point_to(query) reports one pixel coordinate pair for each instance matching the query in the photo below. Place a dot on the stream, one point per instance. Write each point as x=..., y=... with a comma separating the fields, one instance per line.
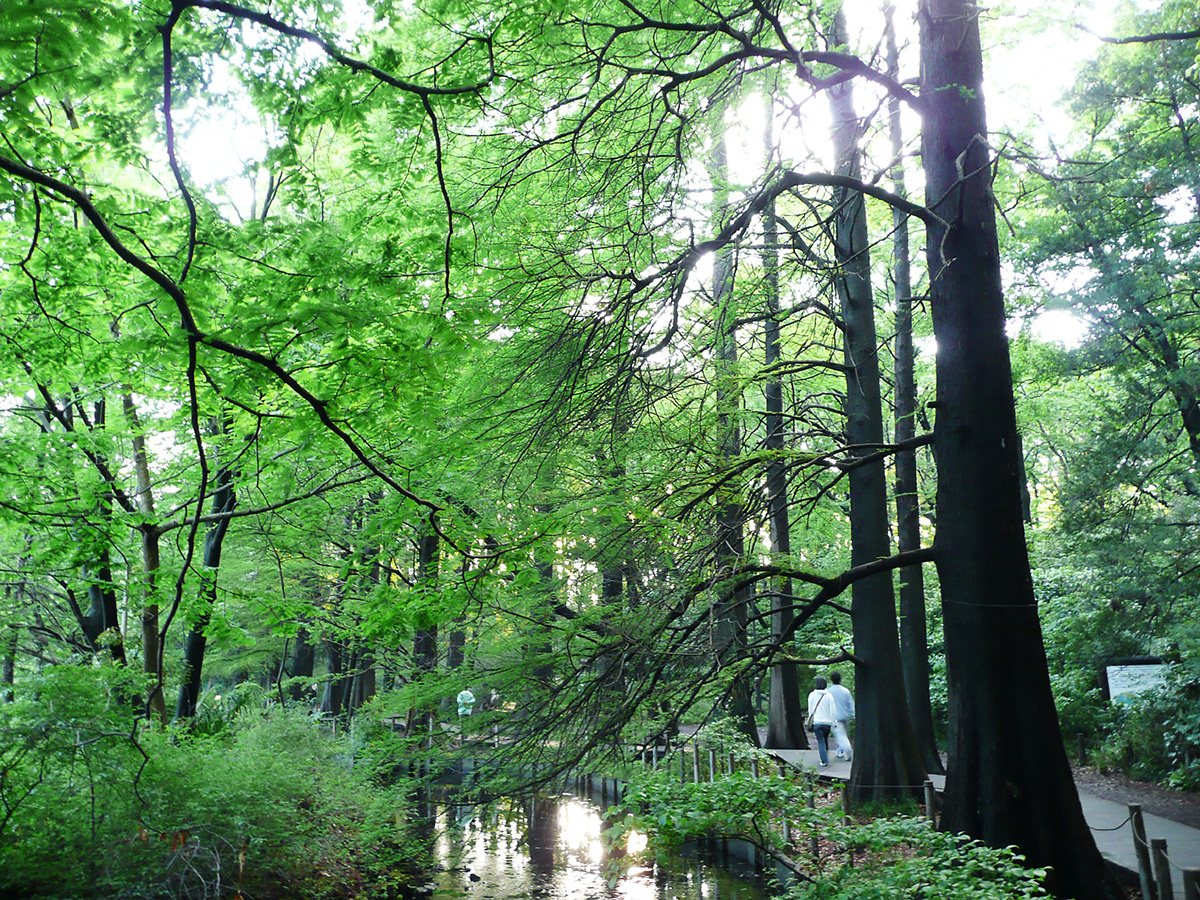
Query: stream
x=491, y=853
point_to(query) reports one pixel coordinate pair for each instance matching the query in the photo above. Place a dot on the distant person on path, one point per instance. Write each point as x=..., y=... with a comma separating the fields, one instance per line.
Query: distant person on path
x=845, y=712
x=466, y=702
x=822, y=713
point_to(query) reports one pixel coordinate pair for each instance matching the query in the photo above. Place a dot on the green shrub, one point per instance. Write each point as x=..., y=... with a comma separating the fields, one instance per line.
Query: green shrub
x=906, y=858
x=267, y=805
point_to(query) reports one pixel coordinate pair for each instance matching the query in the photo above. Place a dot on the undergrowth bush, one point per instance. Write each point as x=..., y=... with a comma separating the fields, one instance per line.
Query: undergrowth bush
x=904, y=857
x=894, y=855
x=92, y=806
x=1156, y=737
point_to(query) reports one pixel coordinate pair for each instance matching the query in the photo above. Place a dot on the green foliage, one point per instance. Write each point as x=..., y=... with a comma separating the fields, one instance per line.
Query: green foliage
x=94, y=808
x=1156, y=737
x=906, y=858
x=895, y=855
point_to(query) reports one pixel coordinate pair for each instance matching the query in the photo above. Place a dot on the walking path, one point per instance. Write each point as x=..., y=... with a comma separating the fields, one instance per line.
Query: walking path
x=1108, y=820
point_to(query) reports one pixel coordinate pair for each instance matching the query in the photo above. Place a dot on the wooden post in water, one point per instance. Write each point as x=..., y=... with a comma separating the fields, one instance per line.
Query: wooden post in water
x=1141, y=849
x=1162, y=869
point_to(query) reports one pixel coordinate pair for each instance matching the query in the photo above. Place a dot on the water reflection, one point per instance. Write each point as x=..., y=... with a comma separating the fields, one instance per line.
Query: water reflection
x=552, y=850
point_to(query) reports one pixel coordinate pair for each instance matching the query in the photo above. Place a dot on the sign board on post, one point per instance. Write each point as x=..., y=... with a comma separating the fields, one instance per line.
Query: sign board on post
x=1124, y=679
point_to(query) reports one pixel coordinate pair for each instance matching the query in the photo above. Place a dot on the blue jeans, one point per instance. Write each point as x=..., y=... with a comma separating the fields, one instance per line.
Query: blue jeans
x=821, y=732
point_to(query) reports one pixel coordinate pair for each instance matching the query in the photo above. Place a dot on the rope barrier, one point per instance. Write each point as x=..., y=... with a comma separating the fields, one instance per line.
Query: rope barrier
x=1115, y=827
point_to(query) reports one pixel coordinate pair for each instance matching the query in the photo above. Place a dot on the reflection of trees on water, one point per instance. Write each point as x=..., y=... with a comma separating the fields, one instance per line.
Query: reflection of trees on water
x=542, y=830
x=543, y=847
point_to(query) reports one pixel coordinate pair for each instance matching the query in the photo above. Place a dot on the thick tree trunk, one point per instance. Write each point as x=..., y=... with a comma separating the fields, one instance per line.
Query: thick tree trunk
x=223, y=501
x=1009, y=782
x=886, y=761
x=914, y=639
x=334, y=696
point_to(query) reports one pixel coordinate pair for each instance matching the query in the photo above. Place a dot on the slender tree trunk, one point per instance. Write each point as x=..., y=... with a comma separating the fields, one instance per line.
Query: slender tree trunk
x=1009, y=781
x=103, y=616
x=886, y=761
x=425, y=641
x=785, y=714
x=733, y=605
x=8, y=666
x=914, y=640
x=223, y=501
x=151, y=562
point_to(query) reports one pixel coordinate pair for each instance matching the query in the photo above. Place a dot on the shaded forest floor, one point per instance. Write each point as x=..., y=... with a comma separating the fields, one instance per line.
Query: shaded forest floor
x=1155, y=799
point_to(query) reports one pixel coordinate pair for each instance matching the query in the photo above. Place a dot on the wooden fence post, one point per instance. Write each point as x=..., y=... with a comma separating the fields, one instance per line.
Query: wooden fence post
x=1141, y=849
x=682, y=766
x=1191, y=884
x=930, y=803
x=695, y=762
x=1162, y=868
x=811, y=803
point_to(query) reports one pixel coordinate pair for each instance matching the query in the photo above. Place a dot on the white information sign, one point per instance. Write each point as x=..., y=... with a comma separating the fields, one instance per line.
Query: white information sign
x=1124, y=682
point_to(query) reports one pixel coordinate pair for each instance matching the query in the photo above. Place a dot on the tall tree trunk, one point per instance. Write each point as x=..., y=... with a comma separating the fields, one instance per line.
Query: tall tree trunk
x=1009, y=781
x=914, y=639
x=151, y=560
x=886, y=761
x=333, y=699
x=8, y=666
x=425, y=649
x=785, y=714
x=733, y=604
x=304, y=657
x=103, y=618
x=223, y=501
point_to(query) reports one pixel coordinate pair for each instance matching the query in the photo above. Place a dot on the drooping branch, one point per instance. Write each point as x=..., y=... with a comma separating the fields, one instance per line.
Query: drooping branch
x=188, y=321
x=1151, y=38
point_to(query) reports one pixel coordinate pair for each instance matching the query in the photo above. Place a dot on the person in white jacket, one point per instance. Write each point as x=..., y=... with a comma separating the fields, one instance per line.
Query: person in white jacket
x=822, y=712
x=844, y=702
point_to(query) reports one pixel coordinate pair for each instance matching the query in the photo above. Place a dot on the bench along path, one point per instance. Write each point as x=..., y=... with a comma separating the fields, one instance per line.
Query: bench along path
x=1111, y=823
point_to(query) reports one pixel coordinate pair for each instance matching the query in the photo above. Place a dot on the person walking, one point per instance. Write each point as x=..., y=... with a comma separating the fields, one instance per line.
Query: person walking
x=822, y=713
x=844, y=701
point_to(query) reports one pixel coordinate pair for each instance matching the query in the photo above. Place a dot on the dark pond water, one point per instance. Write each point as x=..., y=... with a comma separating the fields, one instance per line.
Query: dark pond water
x=492, y=853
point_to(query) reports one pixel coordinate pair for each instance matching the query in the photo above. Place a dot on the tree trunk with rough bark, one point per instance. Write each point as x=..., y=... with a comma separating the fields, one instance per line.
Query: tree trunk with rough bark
x=914, y=639
x=223, y=501
x=1009, y=781
x=886, y=761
